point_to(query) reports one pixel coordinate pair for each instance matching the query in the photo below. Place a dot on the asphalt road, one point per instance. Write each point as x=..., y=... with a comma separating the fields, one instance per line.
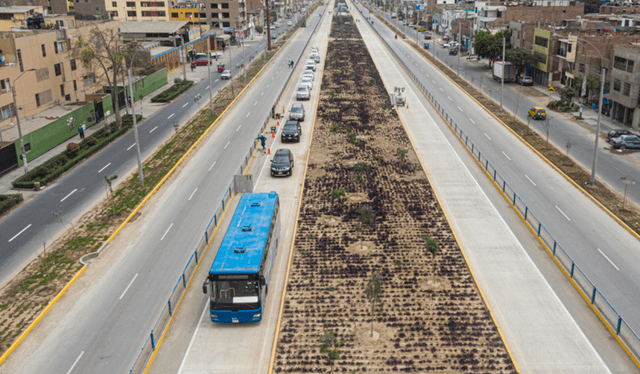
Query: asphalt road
x=606, y=252
x=103, y=321
x=611, y=165
x=25, y=229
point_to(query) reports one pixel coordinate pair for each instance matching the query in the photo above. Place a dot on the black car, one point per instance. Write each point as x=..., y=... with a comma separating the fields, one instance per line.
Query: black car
x=291, y=131
x=282, y=163
x=615, y=133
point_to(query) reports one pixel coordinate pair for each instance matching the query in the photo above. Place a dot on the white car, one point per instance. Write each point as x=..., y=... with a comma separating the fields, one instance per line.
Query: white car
x=303, y=93
x=308, y=74
x=289, y=23
x=307, y=82
x=315, y=57
x=272, y=27
x=310, y=65
x=315, y=50
x=226, y=74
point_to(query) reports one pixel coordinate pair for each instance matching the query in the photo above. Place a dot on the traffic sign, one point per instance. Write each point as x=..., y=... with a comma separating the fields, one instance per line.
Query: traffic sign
x=551, y=89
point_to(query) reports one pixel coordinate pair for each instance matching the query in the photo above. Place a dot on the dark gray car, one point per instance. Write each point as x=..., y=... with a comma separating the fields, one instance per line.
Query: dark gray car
x=282, y=163
x=624, y=142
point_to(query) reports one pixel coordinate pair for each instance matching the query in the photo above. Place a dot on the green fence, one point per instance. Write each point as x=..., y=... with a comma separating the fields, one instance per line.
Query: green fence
x=148, y=84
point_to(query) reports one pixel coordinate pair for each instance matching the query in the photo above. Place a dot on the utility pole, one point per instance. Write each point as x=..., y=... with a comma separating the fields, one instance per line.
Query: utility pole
x=231, y=72
x=595, y=151
x=135, y=129
x=184, y=61
x=210, y=88
x=503, y=69
x=266, y=2
x=459, y=45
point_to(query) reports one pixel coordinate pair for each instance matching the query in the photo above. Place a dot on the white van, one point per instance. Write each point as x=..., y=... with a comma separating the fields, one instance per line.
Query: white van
x=310, y=65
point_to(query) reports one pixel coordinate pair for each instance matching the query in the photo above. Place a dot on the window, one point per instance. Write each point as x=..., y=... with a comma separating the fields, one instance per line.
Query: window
x=58, y=69
x=568, y=48
x=203, y=15
x=131, y=13
x=630, y=66
x=19, y=53
x=214, y=6
x=73, y=65
x=89, y=80
x=5, y=84
x=159, y=13
x=627, y=89
x=616, y=85
x=214, y=15
x=113, y=13
x=226, y=24
x=38, y=100
x=44, y=51
x=114, y=4
x=62, y=90
x=174, y=15
x=540, y=57
x=131, y=4
x=6, y=112
x=75, y=86
x=225, y=5
x=225, y=15
x=620, y=63
x=581, y=68
x=542, y=42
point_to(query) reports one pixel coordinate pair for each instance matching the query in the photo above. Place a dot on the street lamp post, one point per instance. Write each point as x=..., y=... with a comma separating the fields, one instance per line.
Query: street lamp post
x=135, y=123
x=23, y=156
x=210, y=88
x=231, y=72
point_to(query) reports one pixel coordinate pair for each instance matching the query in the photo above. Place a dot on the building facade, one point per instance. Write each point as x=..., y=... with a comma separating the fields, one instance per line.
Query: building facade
x=138, y=10
x=625, y=86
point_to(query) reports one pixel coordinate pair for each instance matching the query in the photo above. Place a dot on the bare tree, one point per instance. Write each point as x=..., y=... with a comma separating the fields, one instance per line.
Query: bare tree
x=105, y=51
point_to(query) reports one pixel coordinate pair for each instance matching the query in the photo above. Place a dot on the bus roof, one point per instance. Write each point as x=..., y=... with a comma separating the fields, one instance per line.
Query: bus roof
x=243, y=245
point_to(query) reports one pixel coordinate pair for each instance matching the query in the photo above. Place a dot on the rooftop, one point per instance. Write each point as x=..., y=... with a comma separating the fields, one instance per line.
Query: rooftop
x=18, y=9
x=151, y=27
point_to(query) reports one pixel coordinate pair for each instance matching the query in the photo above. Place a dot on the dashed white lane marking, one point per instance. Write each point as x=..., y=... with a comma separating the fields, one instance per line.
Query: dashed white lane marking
x=565, y=216
x=70, y=193
x=247, y=116
x=238, y=129
x=256, y=103
x=75, y=363
x=440, y=88
x=461, y=109
x=171, y=116
x=262, y=93
x=216, y=81
x=505, y=155
x=166, y=232
x=472, y=121
x=485, y=134
x=214, y=164
x=153, y=129
x=193, y=193
x=449, y=97
x=127, y=289
x=611, y=262
x=131, y=146
x=107, y=165
x=526, y=176
x=225, y=147
x=16, y=235
x=207, y=88
x=185, y=104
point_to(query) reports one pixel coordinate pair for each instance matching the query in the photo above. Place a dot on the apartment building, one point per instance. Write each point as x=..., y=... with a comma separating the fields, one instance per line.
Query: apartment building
x=625, y=86
x=39, y=68
x=138, y=10
x=91, y=9
x=51, y=6
x=221, y=14
x=498, y=15
x=12, y=16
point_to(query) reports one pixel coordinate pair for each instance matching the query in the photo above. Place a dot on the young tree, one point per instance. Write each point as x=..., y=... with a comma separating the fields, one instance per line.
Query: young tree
x=520, y=59
x=329, y=345
x=567, y=94
x=373, y=291
x=366, y=216
x=432, y=247
x=103, y=51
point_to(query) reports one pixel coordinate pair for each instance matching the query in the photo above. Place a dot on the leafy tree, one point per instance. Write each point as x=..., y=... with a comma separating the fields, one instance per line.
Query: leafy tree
x=567, y=94
x=103, y=51
x=520, y=59
x=432, y=247
x=488, y=45
x=366, y=216
x=329, y=344
x=373, y=291
x=593, y=87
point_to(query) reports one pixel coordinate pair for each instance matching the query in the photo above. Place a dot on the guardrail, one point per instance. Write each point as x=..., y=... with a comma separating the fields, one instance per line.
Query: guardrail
x=586, y=287
x=161, y=323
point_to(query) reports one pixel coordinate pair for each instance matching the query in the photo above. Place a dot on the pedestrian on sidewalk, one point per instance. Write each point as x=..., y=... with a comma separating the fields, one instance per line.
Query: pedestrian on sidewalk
x=81, y=131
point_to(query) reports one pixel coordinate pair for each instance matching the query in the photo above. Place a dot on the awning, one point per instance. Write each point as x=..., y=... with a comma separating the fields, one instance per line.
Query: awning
x=223, y=38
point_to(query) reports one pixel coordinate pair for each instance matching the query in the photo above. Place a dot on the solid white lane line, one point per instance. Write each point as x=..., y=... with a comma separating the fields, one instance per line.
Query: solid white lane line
x=99, y=171
x=70, y=193
x=193, y=193
x=127, y=289
x=485, y=134
x=173, y=114
x=214, y=164
x=16, y=235
x=153, y=129
x=225, y=147
x=254, y=104
x=440, y=88
x=75, y=363
x=247, y=116
x=461, y=109
x=565, y=216
x=450, y=99
x=207, y=88
x=611, y=262
x=526, y=176
x=131, y=146
x=472, y=121
x=185, y=104
x=505, y=155
x=238, y=128
x=166, y=232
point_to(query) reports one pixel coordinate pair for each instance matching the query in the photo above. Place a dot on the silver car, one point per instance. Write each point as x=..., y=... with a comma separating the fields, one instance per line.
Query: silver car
x=315, y=58
x=303, y=93
x=297, y=112
x=307, y=82
x=308, y=74
x=310, y=65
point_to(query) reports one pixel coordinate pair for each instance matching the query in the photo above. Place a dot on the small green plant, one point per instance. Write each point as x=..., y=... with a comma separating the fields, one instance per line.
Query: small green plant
x=397, y=262
x=432, y=247
x=334, y=128
x=330, y=289
x=329, y=344
x=72, y=150
x=373, y=291
x=337, y=193
x=361, y=169
x=372, y=82
x=384, y=106
x=402, y=153
x=310, y=236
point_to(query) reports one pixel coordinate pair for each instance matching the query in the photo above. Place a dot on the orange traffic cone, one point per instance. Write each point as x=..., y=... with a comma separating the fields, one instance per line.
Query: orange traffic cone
x=407, y=106
x=277, y=123
x=273, y=134
x=283, y=110
x=268, y=151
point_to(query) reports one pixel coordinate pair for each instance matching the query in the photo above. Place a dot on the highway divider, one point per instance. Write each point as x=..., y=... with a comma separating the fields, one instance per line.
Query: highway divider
x=623, y=333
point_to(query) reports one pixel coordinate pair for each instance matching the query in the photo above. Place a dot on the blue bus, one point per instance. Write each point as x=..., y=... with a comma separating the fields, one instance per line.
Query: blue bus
x=238, y=281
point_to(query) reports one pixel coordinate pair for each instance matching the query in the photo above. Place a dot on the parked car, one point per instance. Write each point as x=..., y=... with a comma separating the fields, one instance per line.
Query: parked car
x=296, y=112
x=426, y=45
x=537, y=112
x=289, y=23
x=310, y=65
x=307, y=82
x=618, y=132
x=282, y=163
x=225, y=75
x=220, y=68
x=315, y=57
x=272, y=27
x=308, y=74
x=202, y=62
x=525, y=80
x=291, y=131
x=315, y=50
x=453, y=51
x=625, y=142
x=303, y=93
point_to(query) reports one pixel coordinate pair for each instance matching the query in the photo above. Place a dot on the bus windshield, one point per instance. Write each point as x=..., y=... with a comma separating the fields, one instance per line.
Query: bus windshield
x=237, y=293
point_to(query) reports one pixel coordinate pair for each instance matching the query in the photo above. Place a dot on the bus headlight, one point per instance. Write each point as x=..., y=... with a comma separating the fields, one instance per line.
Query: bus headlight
x=257, y=315
x=214, y=316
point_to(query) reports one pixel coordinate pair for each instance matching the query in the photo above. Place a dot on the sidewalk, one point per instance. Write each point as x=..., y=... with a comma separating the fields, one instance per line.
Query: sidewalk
x=146, y=107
